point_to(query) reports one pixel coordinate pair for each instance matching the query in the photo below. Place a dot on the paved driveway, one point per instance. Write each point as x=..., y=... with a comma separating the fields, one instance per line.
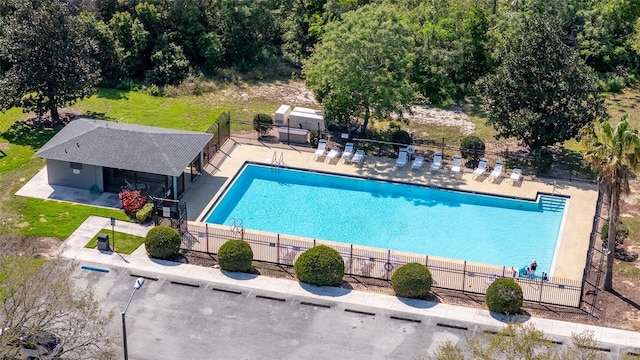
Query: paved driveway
x=179, y=318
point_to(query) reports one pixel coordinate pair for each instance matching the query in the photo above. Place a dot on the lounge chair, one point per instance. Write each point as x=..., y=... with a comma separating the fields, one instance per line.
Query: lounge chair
x=358, y=157
x=456, y=168
x=516, y=176
x=403, y=158
x=481, y=169
x=347, y=154
x=436, y=165
x=322, y=149
x=333, y=154
x=497, y=172
x=418, y=162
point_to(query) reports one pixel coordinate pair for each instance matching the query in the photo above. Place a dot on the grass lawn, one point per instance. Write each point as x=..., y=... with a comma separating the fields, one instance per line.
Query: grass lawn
x=59, y=219
x=634, y=227
x=124, y=243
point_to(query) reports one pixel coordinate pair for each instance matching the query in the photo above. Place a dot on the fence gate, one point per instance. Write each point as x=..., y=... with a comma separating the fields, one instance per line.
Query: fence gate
x=170, y=212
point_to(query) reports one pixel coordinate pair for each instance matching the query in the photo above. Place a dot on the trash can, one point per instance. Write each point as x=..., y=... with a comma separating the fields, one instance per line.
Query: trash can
x=103, y=242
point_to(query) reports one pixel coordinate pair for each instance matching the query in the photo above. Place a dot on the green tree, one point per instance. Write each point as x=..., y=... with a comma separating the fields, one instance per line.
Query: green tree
x=636, y=38
x=41, y=295
x=47, y=63
x=362, y=64
x=131, y=41
x=541, y=93
x=607, y=35
x=614, y=153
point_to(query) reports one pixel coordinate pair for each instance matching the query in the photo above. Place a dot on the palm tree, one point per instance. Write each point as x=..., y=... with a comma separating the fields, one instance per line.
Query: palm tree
x=614, y=153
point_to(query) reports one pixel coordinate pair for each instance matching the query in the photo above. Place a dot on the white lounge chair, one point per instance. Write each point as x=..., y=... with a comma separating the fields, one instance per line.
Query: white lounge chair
x=322, y=149
x=436, y=165
x=516, y=176
x=333, y=154
x=456, y=168
x=481, y=169
x=418, y=162
x=347, y=154
x=403, y=158
x=358, y=157
x=497, y=172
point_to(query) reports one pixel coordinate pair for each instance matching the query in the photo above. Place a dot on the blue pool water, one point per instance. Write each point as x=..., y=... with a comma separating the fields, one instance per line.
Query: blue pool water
x=416, y=219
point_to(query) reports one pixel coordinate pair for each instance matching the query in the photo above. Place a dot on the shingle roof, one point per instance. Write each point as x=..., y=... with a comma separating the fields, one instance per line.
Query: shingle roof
x=125, y=146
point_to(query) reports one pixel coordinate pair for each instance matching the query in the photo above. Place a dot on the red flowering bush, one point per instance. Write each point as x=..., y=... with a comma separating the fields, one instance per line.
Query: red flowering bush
x=132, y=200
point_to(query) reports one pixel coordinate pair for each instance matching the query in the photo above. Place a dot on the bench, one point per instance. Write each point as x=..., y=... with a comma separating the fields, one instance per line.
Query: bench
x=3, y=147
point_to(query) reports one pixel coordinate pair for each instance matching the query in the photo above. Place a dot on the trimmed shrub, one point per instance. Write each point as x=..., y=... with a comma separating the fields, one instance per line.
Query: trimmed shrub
x=320, y=265
x=132, y=200
x=504, y=296
x=412, y=281
x=472, y=148
x=401, y=136
x=145, y=212
x=162, y=242
x=262, y=123
x=236, y=256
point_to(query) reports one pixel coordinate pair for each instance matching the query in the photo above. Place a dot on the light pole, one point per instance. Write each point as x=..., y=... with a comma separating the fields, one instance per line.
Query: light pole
x=136, y=286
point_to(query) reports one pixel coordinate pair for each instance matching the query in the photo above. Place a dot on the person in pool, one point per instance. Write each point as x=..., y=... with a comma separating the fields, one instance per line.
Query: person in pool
x=533, y=266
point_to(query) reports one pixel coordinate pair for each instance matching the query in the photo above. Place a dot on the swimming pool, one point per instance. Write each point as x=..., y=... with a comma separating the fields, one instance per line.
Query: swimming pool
x=437, y=222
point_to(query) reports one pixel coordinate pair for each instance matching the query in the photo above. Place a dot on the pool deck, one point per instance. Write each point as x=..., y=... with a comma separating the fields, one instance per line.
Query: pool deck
x=572, y=248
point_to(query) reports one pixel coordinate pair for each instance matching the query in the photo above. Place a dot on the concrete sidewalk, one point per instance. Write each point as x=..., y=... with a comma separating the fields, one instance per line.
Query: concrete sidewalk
x=138, y=261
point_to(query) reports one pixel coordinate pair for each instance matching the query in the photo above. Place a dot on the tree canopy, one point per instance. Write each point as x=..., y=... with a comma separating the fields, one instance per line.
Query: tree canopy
x=362, y=65
x=47, y=64
x=542, y=93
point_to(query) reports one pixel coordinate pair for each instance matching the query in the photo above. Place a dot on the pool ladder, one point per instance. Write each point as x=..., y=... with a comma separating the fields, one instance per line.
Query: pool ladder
x=277, y=162
x=237, y=228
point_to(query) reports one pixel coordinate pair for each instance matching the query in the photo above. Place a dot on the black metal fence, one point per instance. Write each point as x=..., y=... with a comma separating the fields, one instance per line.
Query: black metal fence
x=380, y=264
x=221, y=130
x=555, y=165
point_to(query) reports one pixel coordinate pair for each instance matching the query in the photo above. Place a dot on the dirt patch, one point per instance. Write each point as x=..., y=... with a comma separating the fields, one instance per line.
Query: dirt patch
x=424, y=114
x=292, y=93
x=295, y=93
x=39, y=247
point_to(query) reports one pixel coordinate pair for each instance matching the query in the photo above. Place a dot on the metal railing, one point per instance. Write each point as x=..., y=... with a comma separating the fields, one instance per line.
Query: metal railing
x=380, y=264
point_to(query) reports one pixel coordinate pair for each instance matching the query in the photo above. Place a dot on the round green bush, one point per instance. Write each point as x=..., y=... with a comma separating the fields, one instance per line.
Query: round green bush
x=504, y=296
x=162, y=242
x=320, y=265
x=472, y=148
x=401, y=136
x=236, y=256
x=262, y=123
x=412, y=281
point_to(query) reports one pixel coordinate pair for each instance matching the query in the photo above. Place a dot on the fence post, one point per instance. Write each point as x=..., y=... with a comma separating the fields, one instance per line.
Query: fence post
x=503, y=267
x=540, y=295
x=388, y=262
x=442, y=148
x=278, y=249
x=206, y=233
x=464, y=277
x=351, y=260
x=218, y=137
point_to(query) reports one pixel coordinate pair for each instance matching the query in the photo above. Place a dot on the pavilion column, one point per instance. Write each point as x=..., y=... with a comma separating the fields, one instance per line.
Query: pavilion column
x=201, y=164
x=175, y=187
